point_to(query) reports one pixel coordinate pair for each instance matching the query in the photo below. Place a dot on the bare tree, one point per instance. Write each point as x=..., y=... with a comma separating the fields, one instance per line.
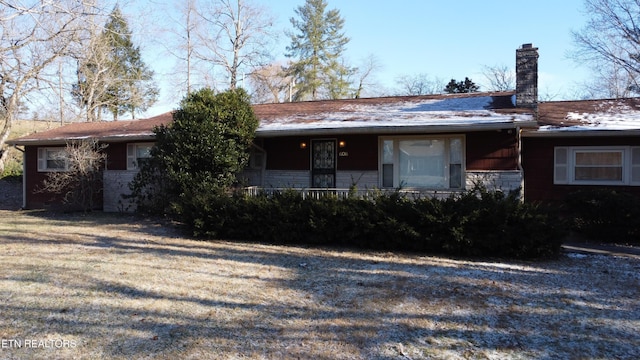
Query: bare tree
x=364, y=74
x=270, y=84
x=419, y=84
x=611, y=39
x=499, y=78
x=79, y=183
x=237, y=38
x=95, y=73
x=34, y=34
x=607, y=81
x=181, y=42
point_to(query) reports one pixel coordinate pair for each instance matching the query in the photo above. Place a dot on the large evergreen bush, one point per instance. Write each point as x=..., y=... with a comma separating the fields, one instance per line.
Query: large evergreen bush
x=196, y=157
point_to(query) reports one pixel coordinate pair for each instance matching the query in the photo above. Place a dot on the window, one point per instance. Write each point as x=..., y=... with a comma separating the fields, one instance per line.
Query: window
x=137, y=154
x=52, y=159
x=422, y=162
x=256, y=160
x=582, y=165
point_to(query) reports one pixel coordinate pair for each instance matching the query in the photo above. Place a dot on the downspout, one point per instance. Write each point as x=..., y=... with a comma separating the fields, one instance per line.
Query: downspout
x=24, y=176
x=519, y=161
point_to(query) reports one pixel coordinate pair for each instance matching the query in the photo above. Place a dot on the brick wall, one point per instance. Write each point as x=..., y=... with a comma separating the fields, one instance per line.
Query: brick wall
x=495, y=180
x=527, y=76
x=116, y=183
x=362, y=179
x=287, y=179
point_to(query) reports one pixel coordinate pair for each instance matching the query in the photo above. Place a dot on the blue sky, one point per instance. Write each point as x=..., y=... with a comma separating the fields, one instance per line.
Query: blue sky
x=455, y=39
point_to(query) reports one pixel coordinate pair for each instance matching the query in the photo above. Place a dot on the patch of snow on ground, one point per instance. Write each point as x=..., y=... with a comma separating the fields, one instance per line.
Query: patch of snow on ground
x=527, y=310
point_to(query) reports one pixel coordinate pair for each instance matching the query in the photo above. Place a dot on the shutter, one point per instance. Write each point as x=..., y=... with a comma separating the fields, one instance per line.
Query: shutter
x=131, y=156
x=561, y=165
x=42, y=159
x=635, y=165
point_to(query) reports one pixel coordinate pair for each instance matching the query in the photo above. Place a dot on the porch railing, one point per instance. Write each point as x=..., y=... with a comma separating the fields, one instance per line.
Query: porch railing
x=342, y=193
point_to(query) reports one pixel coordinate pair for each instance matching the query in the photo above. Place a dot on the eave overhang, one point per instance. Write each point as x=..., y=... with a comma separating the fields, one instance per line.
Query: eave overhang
x=560, y=133
x=63, y=141
x=393, y=130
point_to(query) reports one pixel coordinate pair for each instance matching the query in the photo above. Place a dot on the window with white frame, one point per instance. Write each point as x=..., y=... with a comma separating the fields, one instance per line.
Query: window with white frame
x=422, y=162
x=137, y=154
x=52, y=159
x=594, y=165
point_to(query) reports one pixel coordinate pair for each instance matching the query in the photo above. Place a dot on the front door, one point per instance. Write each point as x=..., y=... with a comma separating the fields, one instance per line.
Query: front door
x=323, y=164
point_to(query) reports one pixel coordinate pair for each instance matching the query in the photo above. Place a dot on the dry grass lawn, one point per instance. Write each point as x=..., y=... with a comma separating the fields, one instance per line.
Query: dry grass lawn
x=118, y=287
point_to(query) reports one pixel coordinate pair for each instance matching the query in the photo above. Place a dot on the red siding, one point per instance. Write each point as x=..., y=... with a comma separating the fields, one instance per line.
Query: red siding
x=284, y=153
x=492, y=150
x=361, y=151
x=117, y=156
x=116, y=160
x=489, y=150
x=537, y=161
x=34, y=179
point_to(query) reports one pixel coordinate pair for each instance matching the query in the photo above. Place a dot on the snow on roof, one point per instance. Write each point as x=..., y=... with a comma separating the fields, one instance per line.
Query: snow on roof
x=427, y=113
x=405, y=112
x=593, y=115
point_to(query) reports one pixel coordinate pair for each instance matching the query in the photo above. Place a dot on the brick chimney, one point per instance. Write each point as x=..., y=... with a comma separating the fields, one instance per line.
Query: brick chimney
x=527, y=76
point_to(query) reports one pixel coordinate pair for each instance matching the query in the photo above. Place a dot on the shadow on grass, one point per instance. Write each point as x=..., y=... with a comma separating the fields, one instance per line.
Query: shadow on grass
x=334, y=304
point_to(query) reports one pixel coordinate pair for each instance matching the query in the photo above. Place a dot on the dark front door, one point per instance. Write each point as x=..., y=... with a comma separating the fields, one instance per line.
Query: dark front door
x=323, y=164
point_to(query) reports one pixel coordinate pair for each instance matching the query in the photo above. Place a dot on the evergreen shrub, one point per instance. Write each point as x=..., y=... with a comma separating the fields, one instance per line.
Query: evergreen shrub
x=605, y=215
x=478, y=223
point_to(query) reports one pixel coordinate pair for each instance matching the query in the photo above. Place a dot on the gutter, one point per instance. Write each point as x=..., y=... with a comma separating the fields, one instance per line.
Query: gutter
x=391, y=130
x=64, y=141
x=579, y=133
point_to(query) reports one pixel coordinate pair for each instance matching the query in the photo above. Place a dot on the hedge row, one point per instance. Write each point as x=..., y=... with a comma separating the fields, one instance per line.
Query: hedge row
x=478, y=223
x=605, y=215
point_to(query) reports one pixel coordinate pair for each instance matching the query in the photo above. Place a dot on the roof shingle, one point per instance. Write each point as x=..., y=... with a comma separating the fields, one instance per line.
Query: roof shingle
x=451, y=112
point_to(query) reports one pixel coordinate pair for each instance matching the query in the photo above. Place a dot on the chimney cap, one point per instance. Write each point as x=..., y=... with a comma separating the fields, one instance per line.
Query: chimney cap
x=527, y=46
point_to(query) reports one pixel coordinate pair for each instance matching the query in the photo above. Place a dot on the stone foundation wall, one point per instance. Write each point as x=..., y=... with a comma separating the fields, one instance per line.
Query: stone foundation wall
x=116, y=184
x=496, y=180
x=10, y=194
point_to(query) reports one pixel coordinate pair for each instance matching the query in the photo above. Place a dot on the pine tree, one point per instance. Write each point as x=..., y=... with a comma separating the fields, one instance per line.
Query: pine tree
x=112, y=76
x=135, y=89
x=318, y=46
x=457, y=87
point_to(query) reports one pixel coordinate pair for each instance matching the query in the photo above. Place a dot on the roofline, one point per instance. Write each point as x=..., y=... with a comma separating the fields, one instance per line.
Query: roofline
x=64, y=141
x=382, y=130
x=579, y=133
x=391, y=130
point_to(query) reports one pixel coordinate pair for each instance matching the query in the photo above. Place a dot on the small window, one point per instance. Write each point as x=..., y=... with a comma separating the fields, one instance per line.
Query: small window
x=583, y=165
x=52, y=159
x=137, y=154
